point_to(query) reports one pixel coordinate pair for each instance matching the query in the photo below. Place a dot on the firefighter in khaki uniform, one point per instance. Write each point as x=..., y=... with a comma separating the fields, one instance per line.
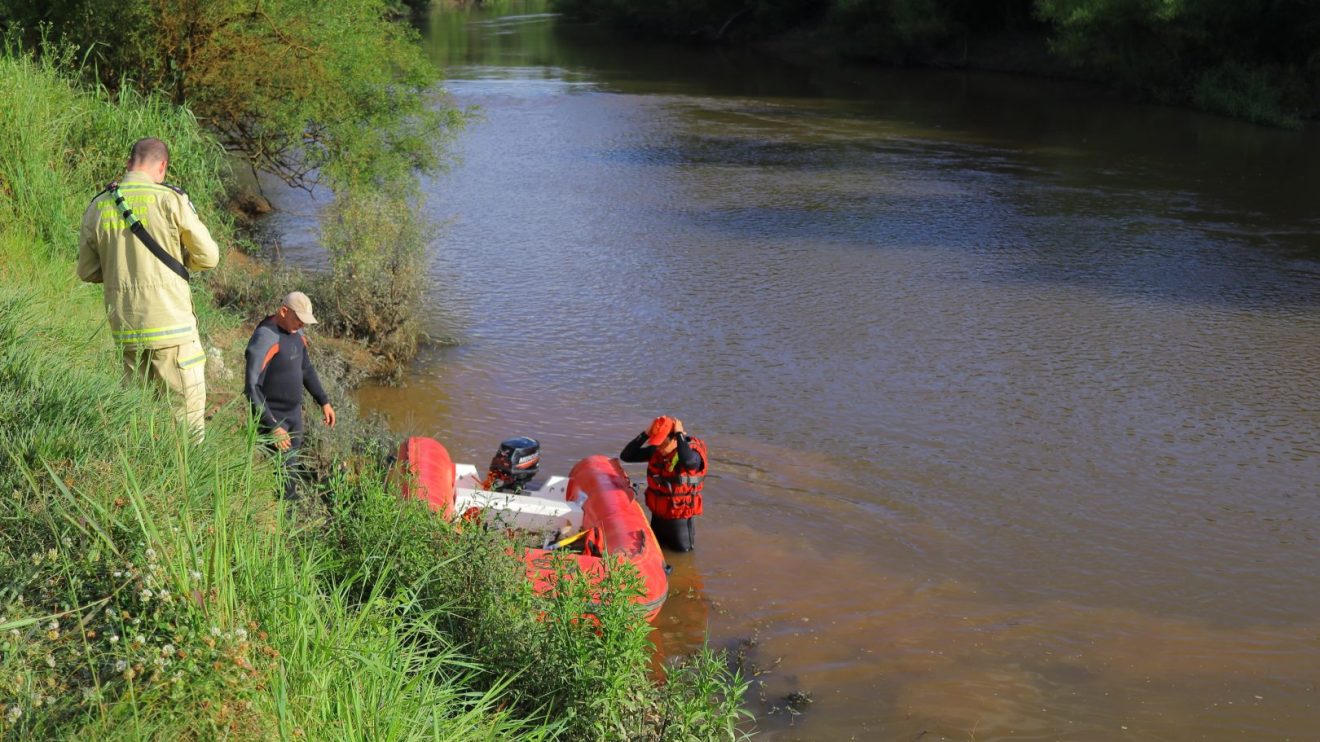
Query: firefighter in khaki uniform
x=147, y=298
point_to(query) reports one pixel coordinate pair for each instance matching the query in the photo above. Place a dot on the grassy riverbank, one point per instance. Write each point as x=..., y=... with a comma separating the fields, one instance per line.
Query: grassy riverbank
x=152, y=588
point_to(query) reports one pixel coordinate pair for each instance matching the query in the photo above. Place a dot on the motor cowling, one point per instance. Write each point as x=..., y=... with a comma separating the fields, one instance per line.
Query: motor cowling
x=514, y=464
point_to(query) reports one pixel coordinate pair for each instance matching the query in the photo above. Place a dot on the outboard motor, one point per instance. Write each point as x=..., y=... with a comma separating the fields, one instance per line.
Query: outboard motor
x=514, y=465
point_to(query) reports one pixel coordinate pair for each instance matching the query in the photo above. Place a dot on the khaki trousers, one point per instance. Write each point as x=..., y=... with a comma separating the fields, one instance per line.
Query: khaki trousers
x=179, y=371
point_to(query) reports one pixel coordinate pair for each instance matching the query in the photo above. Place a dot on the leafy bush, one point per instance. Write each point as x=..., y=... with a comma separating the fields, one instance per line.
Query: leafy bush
x=377, y=245
x=64, y=146
x=1229, y=56
x=303, y=88
x=1245, y=93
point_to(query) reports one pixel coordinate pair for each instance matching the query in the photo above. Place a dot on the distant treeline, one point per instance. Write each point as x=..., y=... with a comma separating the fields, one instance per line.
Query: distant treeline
x=1254, y=59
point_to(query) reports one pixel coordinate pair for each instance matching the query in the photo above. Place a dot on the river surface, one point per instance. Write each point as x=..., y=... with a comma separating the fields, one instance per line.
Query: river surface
x=1010, y=388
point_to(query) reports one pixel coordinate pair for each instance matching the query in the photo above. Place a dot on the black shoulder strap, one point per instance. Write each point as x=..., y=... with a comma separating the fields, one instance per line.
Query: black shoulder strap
x=145, y=237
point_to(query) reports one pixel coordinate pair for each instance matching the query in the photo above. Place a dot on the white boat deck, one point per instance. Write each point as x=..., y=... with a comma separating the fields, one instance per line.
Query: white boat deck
x=541, y=507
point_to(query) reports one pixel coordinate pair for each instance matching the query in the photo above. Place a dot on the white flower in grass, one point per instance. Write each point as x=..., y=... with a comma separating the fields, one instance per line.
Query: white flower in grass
x=13, y=713
x=215, y=630
x=114, y=638
x=167, y=650
x=52, y=555
x=121, y=665
x=14, y=634
x=240, y=632
x=195, y=575
x=50, y=660
x=139, y=639
x=151, y=555
x=53, y=625
x=146, y=595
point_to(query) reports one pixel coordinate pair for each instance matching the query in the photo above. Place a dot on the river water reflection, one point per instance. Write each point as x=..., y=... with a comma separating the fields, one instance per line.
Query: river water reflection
x=1010, y=390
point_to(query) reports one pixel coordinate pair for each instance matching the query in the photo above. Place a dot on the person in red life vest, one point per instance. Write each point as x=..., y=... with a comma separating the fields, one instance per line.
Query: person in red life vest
x=675, y=471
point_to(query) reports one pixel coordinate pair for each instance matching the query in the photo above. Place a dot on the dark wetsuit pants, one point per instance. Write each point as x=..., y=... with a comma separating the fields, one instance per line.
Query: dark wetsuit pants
x=675, y=534
x=289, y=458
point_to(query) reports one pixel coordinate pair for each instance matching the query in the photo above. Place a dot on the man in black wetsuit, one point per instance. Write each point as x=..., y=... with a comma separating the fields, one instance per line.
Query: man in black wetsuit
x=279, y=367
x=675, y=473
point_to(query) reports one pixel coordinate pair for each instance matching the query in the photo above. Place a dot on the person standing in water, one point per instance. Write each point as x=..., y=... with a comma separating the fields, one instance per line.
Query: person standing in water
x=675, y=473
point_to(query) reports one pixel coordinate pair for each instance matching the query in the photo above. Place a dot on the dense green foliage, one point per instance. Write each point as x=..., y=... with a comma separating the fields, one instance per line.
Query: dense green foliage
x=593, y=671
x=698, y=19
x=153, y=588
x=377, y=245
x=1256, y=59
x=302, y=88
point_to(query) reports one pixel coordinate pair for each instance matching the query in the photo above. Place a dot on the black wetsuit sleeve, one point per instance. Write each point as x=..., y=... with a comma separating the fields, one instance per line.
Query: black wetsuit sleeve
x=257, y=357
x=637, y=451
x=688, y=457
x=312, y=382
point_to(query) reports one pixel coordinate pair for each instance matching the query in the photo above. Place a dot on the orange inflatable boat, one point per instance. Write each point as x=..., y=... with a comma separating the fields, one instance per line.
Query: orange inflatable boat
x=594, y=508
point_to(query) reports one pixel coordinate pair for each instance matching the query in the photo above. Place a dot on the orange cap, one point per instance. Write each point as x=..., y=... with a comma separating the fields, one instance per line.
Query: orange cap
x=659, y=431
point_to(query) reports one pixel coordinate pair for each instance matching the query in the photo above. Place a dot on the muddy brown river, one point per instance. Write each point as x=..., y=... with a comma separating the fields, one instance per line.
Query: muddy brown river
x=1010, y=388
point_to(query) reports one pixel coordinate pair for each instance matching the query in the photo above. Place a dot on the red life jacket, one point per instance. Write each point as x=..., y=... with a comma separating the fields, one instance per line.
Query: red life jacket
x=671, y=491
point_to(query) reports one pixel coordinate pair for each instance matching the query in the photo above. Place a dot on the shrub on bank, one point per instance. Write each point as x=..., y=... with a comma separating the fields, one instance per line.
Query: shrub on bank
x=373, y=293
x=1246, y=93
x=306, y=90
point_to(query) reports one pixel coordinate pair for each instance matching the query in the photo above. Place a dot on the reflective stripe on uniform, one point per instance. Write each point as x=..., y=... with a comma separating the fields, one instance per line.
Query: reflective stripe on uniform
x=145, y=187
x=191, y=361
x=154, y=333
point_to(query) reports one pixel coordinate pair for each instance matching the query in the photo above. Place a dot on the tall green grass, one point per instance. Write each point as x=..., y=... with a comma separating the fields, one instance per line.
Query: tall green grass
x=150, y=588
x=153, y=588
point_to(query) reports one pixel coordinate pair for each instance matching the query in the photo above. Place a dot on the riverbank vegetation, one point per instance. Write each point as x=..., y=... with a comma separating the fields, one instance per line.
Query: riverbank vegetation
x=1253, y=59
x=153, y=588
x=327, y=93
